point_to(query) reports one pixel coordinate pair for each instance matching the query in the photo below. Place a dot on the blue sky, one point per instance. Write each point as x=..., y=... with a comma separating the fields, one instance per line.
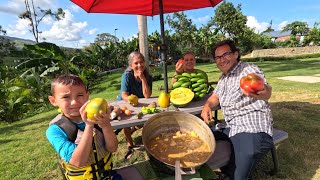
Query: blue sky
x=79, y=28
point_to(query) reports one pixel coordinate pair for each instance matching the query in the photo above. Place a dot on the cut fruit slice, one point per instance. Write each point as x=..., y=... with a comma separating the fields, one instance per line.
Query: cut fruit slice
x=181, y=96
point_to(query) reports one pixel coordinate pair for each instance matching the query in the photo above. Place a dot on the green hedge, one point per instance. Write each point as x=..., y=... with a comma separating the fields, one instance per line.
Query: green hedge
x=279, y=58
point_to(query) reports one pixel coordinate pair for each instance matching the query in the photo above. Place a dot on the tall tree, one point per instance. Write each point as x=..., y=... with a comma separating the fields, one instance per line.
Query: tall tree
x=184, y=29
x=229, y=20
x=297, y=28
x=105, y=39
x=36, y=17
x=314, y=35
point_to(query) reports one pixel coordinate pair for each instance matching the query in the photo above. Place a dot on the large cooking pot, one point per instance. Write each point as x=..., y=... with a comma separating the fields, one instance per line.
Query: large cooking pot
x=173, y=121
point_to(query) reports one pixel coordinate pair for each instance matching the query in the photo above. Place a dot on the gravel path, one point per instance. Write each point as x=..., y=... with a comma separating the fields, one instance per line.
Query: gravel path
x=305, y=79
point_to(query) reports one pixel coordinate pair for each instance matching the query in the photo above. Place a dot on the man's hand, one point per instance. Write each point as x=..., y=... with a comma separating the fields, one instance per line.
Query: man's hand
x=206, y=114
x=264, y=94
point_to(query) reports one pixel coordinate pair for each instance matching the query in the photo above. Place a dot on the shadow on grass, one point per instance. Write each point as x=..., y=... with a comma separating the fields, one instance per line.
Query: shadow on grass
x=19, y=126
x=301, y=121
x=287, y=65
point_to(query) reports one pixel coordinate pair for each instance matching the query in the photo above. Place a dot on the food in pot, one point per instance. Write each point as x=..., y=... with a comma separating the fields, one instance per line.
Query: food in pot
x=184, y=146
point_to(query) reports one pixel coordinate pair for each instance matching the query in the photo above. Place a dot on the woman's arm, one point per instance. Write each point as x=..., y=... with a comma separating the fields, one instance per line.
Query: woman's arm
x=146, y=90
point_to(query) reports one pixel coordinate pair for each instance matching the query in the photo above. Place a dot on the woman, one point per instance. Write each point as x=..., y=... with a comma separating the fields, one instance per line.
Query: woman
x=185, y=64
x=135, y=80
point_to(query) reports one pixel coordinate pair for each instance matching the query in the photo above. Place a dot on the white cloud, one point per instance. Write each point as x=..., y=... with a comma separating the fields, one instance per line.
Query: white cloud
x=83, y=42
x=21, y=28
x=17, y=6
x=282, y=25
x=93, y=31
x=74, y=8
x=258, y=27
x=65, y=29
x=203, y=19
x=47, y=20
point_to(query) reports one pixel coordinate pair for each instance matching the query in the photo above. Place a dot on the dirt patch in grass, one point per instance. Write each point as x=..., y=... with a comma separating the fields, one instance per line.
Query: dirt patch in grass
x=305, y=79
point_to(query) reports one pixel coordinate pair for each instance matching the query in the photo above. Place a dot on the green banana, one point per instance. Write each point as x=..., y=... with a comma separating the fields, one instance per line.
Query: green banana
x=186, y=84
x=177, y=84
x=203, y=91
x=195, y=85
x=197, y=89
x=178, y=76
x=194, y=79
x=186, y=75
x=203, y=85
x=201, y=75
x=201, y=81
x=183, y=79
x=193, y=74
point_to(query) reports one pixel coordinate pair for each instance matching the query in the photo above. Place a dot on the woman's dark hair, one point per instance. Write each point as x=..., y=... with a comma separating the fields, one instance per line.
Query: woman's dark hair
x=130, y=60
x=228, y=42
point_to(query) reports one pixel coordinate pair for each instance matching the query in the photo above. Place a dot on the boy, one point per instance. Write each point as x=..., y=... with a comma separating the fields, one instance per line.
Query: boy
x=84, y=146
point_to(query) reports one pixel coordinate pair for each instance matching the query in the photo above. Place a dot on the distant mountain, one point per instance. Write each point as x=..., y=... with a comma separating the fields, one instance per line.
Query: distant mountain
x=19, y=42
x=25, y=41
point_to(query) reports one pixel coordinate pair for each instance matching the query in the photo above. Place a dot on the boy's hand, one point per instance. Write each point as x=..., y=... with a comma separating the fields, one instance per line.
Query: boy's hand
x=103, y=119
x=89, y=122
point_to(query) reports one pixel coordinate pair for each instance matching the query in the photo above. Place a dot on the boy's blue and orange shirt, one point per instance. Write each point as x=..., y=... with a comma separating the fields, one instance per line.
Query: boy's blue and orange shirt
x=60, y=142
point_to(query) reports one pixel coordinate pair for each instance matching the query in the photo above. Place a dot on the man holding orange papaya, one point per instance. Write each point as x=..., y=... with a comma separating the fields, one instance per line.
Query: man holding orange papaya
x=245, y=107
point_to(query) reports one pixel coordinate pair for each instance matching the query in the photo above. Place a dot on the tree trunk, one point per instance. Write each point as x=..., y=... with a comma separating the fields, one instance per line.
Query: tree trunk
x=143, y=37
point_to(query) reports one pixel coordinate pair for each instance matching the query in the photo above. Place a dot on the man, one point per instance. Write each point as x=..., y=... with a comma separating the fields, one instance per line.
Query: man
x=248, y=115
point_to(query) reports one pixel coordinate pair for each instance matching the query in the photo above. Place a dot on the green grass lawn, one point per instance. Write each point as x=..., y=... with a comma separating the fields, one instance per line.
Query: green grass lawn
x=26, y=153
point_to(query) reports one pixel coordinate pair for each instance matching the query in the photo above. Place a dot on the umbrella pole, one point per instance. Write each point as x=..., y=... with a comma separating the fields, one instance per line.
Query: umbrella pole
x=163, y=47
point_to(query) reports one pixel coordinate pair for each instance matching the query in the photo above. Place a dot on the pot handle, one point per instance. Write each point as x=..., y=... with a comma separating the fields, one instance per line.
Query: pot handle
x=189, y=172
x=177, y=170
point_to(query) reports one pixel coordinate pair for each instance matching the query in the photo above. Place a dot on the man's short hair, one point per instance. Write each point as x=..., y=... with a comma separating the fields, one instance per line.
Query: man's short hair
x=228, y=42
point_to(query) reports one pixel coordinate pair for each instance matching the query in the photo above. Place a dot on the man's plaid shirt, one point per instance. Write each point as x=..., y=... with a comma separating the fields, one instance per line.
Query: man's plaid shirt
x=242, y=113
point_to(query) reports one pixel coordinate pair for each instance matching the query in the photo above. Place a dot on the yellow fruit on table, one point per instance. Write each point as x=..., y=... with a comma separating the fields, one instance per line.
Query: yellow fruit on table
x=133, y=100
x=164, y=99
x=94, y=106
x=181, y=96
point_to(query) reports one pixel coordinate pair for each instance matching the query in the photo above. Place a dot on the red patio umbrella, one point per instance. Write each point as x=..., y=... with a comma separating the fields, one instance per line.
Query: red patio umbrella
x=147, y=8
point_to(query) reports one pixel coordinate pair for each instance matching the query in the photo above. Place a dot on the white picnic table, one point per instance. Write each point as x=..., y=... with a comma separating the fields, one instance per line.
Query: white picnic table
x=194, y=107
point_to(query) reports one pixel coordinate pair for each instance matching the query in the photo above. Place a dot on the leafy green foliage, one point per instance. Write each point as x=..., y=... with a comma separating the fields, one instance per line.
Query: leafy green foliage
x=297, y=28
x=229, y=20
x=314, y=35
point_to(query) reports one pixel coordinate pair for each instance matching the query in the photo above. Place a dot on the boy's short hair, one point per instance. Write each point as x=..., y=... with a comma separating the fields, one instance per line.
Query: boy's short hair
x=67, y=79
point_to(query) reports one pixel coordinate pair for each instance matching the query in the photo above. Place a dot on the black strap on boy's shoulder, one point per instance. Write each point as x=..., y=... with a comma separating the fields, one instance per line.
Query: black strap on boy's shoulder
x=68, y=127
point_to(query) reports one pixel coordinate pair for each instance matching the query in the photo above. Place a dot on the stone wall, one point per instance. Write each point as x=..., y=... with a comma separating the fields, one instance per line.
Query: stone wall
x=285, y=51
